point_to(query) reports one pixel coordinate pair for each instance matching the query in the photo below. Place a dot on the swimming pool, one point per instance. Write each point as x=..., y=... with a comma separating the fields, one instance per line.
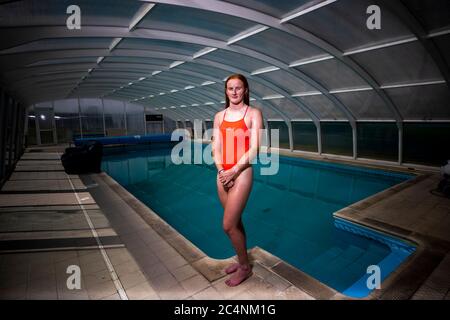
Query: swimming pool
x=289, y=214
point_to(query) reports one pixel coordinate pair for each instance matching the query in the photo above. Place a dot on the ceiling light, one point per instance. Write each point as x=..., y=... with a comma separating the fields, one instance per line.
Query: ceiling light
x=273, y=96
x=203, y=52
x=308, y=61
x=247, y=33
x=114, y=43
x=143, y=10
x=380, y=46
x=265, y=70
x=299, y=12
x=176, y=63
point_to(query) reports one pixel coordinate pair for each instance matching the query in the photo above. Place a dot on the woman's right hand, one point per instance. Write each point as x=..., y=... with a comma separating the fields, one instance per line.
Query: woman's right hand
x=226, y=178
x=229, y=184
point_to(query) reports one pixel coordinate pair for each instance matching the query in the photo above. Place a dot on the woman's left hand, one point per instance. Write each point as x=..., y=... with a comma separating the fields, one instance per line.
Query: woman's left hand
x=228, y=175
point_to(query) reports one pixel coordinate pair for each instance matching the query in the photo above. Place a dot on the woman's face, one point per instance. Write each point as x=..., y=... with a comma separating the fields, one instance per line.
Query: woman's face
x=235, y=91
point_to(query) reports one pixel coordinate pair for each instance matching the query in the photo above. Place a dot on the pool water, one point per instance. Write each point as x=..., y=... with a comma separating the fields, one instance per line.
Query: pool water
x=289, y=214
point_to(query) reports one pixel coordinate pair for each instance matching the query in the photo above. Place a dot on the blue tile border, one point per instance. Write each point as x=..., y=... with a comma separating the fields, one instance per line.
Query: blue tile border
x=400, y=251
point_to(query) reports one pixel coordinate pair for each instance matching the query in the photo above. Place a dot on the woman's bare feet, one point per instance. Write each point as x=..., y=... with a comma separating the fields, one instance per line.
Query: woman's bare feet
x=232, y=268
x=243, y=272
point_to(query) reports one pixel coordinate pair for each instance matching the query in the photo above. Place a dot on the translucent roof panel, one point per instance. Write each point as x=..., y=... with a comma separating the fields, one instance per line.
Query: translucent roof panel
x=132, y=66
x=245, y=63
x=159, y=46
x=216, y=91
x=431, y=14
x=333, y=74
x=323, y=107
x=45, y=13
x=204, y=69
x=274, y=8
x=63, y=61
x=366, y=105
x=289, y=108
x=116, y=75
x=343, y=24
x=287, y=81
x=422, y=102
x=266, y=110
x=175, y=74
x=399, y=64
x=154, y=82
x=281, y=46
x=61, y=44
x=210, y=111
x=260, y=90
x=143, y=60
x=193, y=21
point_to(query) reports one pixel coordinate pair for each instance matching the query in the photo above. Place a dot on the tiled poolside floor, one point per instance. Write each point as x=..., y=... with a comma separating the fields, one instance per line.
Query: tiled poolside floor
x=44, y=230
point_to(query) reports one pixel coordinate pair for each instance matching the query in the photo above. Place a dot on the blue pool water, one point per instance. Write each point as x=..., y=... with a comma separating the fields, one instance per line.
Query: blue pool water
x=289, y=214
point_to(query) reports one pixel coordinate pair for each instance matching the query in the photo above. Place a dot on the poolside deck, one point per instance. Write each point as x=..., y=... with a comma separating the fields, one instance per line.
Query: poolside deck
x=50, y=221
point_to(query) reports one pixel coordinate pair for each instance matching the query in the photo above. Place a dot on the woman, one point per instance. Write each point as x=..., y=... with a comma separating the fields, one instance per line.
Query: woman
x=238, y=127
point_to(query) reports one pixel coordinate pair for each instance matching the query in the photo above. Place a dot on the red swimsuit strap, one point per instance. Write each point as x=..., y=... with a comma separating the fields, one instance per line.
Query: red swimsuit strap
x=234, y=121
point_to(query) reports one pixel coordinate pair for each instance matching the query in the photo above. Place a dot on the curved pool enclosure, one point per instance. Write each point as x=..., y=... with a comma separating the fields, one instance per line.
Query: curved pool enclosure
x=289, y=214
x=355, y=81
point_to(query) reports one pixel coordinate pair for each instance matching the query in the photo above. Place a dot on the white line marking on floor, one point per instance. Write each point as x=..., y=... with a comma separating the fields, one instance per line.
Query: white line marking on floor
x=114, y=277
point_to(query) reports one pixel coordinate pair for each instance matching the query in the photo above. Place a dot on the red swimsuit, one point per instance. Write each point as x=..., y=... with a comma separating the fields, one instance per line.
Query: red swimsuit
x=235, y=138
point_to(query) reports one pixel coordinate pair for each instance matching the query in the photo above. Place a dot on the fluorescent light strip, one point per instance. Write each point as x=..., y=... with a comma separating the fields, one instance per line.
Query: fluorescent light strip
x=114, y=43
x=304, y=11
x=308, y=61
x=141, y=78
x=380, y=46
x=174, y=90
x=155, y=72
x=194, y=105
x=265, y=70
x=173, y=107
x=100, y=59
x=438, y=33
x=251, y=99
x=209, y=103
x=203, y=52
x=274, y=96
x=143, y=10
x=306, y=94
x=176, y=63
x=415, y=84
x=206, y=83
x=161, y=93
x=189, y=87
x=350, y=90
x=247, y=33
